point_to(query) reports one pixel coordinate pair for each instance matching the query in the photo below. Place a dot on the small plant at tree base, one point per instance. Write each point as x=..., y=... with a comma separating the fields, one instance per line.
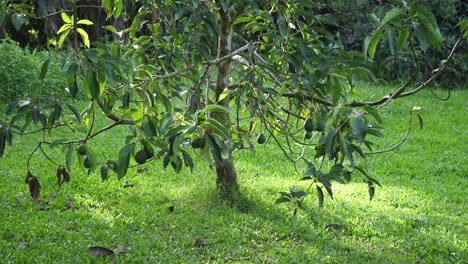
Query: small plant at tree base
x=210, y=75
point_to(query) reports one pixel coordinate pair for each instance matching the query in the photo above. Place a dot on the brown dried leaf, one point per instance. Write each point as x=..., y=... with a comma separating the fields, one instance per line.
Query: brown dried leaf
x=70, y=205
x=34, y=188
x=100, y=251
x=164, y=228
x=334, y=227
x=62, y=176
x=59, y=177
x=66, y=175
x=118, y=248
x=199, y=242
x=28, y=177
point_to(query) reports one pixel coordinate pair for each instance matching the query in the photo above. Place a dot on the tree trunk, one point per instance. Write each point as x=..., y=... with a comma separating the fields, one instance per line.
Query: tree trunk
x=225, y=170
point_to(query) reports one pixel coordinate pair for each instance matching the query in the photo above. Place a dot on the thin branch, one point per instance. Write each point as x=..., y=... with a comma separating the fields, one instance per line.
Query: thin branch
x=397, y=94
x=64, y=10
x=215, y=61
x=402, y=141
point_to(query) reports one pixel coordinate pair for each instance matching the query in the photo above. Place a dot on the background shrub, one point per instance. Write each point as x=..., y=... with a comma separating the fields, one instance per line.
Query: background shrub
x=19, y=74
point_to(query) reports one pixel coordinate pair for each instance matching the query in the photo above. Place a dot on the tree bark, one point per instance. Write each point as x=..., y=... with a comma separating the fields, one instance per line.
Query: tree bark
x=226, y=173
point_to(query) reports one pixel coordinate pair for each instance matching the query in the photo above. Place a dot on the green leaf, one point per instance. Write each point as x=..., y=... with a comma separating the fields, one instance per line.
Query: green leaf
x=57, y=111
x=359, y=128
x=64, y=28
x=65, y=17
x=374, y=113
x=62, y=38
x=282, y=199
x=216, y=108
x=326, y=183
x=404, y=34
x=188, y=161
x=282, y=27
x=164, y=123
x=2, y=142
x=110, y=28
x=18, y=20
x=429, y=31
x=69, y=157
x=330, y=143
x=241, y=20
x=104, y=172
x=463, y=25
x=124, y=160
x=56, y=143
x=391, y=15
x=75, y=112
x=371, y=189
x=92, y=84
x=215, y=150
x=420, y=119
x=320, y=195
x=214, y=126
x=85, y=22
x=71, y=79
x=84, y=36
x=44, y=68
x=371, y=46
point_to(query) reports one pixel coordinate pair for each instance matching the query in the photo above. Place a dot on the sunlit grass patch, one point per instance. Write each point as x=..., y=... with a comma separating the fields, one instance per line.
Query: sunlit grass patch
x=419, y=215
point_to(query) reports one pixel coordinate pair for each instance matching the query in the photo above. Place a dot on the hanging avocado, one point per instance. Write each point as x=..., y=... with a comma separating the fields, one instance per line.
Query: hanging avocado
x=308, y=135
x=261, y=138
x=321, y=126
x=88, y=163
x=140, y=157
x=199, y=143
x=308, y=125
x=82, y=150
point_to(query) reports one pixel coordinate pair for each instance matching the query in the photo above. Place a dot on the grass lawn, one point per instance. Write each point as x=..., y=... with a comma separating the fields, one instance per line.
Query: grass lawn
x=419, y=216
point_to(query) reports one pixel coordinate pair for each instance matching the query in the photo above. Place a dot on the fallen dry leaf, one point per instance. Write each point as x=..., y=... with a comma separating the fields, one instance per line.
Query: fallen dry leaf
x=199, y=242
x=335, y=227
x=70, y=205
x=101, y=251
x=164, y=228
x=118, y=248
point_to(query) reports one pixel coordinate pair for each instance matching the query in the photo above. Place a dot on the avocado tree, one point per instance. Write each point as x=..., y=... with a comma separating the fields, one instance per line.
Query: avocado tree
x=208, y=78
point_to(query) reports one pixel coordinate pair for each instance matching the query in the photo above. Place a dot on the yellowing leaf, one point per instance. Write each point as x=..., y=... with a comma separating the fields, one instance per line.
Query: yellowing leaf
x=84, y=36
x=65, y=27
x=65, y=18
x=85, y=22
x=62, y=38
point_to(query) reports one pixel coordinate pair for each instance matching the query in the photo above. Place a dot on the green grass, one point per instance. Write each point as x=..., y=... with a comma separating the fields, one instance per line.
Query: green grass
x=419, y=216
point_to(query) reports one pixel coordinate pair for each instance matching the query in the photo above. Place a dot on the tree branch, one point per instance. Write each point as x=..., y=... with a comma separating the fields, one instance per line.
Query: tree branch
x=398, y=93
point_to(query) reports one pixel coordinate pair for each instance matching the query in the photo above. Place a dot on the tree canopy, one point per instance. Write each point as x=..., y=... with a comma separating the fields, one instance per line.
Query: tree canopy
x=210, y=78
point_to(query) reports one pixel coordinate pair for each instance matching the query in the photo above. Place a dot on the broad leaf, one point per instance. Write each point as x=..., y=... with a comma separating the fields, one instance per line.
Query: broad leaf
x=44, y=68
x=84, y=36
x=85, y=22
x=320, y=195
x=371, y=45
x=124, y=159
x=391, y=15
x=65, y=17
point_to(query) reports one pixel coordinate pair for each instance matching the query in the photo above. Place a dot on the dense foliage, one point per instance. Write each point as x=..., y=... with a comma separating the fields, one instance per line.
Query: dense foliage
x=349, y=21
x=19, y=72
x=211, y=78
